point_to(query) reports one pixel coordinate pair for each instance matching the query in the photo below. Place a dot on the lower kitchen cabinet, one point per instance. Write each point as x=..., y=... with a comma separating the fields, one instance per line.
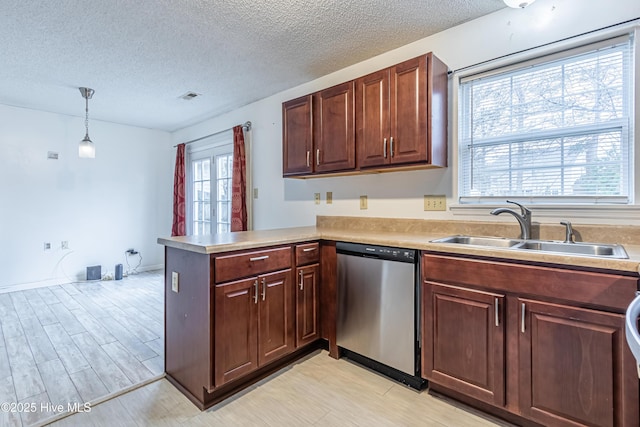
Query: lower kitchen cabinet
x=572, y=366
x=307, y=318
x=276, y=316
x=254, y=324
x=464, y=338
x=236, y=329
x=536, y=343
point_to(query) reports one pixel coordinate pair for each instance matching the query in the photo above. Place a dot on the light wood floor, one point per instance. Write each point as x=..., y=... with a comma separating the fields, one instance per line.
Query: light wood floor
x=79, y=342
x=318, y=391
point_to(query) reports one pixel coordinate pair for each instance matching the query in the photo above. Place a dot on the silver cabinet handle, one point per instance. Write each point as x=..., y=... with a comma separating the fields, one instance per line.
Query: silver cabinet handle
x=308, y=249
x=264, y=289
x=255, y=294
x=384, y=147
x=318, y=157
x=522, y=320
x=497, y=309
x=391, y=145
x=308, y=155
x=301, y=280
x=259, y=258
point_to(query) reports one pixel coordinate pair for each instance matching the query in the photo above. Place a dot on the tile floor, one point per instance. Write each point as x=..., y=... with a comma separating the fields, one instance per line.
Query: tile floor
x=81, y=342
x=78, y=342
x=315, y=391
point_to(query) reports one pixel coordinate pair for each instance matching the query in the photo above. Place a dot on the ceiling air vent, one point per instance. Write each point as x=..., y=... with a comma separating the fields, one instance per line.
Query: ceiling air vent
x=189, y=96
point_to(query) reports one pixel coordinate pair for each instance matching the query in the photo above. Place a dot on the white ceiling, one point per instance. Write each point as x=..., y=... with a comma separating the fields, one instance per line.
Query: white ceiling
x=141, y=56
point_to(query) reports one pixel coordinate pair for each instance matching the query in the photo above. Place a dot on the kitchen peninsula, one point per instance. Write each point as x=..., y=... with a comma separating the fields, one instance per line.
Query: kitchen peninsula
x=240, y=306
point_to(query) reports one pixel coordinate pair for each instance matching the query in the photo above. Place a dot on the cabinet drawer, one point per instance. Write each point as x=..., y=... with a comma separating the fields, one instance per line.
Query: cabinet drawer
x=235, y=266
x=307, y=253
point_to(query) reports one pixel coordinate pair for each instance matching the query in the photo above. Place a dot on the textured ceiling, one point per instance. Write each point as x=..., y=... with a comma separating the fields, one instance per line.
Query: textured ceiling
x=141, y=56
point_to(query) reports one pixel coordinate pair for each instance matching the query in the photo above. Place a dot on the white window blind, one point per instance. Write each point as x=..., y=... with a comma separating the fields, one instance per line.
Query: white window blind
x=554, y=130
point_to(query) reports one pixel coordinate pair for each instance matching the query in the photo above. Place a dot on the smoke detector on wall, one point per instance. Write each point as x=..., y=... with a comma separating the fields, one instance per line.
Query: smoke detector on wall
x=518, y=4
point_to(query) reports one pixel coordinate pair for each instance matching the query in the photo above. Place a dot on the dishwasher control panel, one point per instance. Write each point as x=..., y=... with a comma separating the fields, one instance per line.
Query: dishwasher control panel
x=374, y=251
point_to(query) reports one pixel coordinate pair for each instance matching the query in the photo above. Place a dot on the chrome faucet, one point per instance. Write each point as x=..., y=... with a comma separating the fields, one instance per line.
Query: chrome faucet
x=524, y=218
x=568, y=232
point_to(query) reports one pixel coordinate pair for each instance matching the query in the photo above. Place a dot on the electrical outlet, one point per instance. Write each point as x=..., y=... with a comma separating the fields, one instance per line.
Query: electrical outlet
x=47, y=246
x=64, y=244
x=316, y=196
x=435, y=203
x=329, y=197
x=363, y=202
x=174, y=281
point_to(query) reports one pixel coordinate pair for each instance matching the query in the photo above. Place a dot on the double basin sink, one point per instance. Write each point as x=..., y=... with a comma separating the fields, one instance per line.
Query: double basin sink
x=566, y=248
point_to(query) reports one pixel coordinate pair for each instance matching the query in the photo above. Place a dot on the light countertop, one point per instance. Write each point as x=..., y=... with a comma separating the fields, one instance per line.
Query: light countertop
x=217, y=243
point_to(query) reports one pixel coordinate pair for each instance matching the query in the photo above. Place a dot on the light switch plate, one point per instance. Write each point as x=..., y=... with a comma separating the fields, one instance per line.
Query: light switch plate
x=435, y=203
x=174, y=281
x=329, y=197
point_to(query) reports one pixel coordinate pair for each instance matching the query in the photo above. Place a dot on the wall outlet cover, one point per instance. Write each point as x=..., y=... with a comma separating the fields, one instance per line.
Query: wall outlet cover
x=363, y=202
x=316, y=197
x=329, y=197
x=174, y=281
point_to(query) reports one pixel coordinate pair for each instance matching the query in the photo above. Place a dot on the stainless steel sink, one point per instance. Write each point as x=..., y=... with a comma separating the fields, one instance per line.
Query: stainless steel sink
x=580, y=249
x=592, y=249
x=479, y=241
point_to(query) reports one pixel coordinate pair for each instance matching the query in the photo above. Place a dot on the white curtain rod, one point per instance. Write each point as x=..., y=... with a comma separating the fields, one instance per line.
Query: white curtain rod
x=246, y=126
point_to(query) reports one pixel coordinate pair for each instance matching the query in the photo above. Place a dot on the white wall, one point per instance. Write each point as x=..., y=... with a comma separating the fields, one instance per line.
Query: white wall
x=289, y=202
x=102, y=206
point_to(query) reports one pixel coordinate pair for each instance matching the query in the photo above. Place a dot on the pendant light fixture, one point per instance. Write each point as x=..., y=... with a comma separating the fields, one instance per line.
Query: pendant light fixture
x=86, y=149
x=518, y=4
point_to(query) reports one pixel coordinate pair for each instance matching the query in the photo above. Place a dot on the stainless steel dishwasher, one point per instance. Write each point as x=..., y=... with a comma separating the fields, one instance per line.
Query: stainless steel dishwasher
x=378, y=304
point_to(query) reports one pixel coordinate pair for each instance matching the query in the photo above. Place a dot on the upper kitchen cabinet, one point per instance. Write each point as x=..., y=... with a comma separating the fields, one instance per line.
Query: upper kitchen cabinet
x=398, y=120
x=334, y=134
x=297, y=136
x=401, y=115
x=318, y=132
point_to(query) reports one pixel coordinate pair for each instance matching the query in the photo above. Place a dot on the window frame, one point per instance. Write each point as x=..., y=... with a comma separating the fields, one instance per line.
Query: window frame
x=211, y=148
x=605, y=211
x=506, y=141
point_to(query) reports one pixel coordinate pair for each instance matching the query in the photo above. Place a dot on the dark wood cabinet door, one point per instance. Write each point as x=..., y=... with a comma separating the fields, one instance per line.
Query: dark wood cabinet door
x=408, y=95
x=276, y=319
x=236, y=332
x=575, y=367
x=334, y=133
x=307, y=319
x=372, y=119
x=297, y=136
x=464, y=341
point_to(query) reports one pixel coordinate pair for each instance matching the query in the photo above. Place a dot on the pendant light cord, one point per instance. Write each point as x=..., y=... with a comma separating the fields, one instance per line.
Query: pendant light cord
x=86, y=117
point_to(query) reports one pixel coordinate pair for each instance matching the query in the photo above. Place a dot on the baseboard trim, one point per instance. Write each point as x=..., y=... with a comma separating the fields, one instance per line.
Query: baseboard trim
x=64, y=281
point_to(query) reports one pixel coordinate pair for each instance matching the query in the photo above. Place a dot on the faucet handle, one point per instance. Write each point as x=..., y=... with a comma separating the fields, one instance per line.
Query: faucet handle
x=523, y=209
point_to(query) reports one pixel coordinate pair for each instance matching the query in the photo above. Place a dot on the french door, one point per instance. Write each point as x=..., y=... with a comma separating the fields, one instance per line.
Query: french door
x=209, y=168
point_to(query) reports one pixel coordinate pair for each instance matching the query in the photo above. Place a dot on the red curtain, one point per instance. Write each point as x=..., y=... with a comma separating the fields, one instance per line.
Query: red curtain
x=239, y=182
x=179, y=227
